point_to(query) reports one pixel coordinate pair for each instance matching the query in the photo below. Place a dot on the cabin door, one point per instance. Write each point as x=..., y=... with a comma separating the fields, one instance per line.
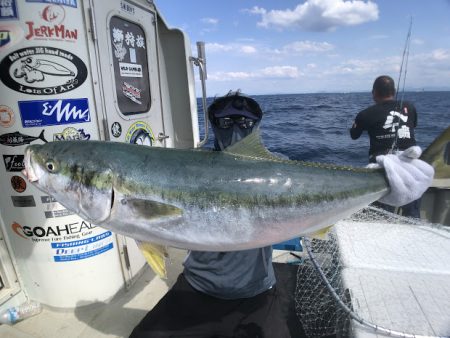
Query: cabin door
x=124, y=35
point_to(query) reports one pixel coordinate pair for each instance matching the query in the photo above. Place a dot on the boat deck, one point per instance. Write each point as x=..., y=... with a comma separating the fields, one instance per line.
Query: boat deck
x=398, y=276
x=124, y=311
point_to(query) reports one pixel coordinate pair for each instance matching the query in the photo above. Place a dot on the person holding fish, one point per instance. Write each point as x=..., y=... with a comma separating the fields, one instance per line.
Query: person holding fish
x=234, y=294
x=390, y=124
x=222, y=293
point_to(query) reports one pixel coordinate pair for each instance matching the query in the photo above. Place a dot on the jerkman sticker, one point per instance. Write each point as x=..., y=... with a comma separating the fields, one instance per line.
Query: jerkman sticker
x=42, y=71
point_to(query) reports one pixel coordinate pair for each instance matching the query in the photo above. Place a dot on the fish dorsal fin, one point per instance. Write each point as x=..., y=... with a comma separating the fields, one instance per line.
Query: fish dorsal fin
x=251, y=146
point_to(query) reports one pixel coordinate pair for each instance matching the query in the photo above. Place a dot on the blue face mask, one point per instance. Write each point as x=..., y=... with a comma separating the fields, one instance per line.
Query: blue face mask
x=234, y=132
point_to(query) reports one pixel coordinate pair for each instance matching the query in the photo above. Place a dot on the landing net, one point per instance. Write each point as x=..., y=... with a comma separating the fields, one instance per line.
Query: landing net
x=376, y=273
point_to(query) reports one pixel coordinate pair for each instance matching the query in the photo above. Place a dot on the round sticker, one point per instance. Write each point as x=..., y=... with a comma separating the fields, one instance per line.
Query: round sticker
x=140, y=133
x=18, y=183
x=116, y=129
x=6, y=116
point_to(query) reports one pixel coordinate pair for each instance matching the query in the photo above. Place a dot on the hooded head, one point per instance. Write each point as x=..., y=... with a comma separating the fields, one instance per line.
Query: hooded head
x=233, y=117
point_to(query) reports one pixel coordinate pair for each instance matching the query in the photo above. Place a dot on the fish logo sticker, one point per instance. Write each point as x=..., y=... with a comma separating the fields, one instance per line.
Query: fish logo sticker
x=18, y=139
x=42, y=71
x=54, y=112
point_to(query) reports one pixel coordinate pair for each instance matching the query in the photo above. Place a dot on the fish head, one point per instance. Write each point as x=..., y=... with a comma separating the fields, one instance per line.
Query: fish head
x=72, y=175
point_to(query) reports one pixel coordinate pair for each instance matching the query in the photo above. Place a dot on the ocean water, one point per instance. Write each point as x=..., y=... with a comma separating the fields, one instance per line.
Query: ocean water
x=315, y=127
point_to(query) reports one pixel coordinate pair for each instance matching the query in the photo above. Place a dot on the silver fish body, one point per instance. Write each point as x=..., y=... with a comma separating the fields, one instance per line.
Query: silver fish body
x=196, y=199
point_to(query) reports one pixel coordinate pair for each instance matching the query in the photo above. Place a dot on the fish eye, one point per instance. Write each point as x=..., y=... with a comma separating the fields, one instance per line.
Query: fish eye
x=51, y=166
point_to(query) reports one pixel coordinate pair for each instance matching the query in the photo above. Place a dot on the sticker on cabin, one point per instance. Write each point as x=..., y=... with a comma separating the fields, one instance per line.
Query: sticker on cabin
x=18, y=139
x=126, y=7
x=116, y=129
x=23, y=201
x=58, y=213
x=82, y=248
x=14, y=163
x=69, y=3
x=140, y=133
x=49, y=25
x=71, y=134
x=48, y=199
x=130, y=69
x=40, y=113
x=131, y=92
x=18, y=184
x=50, y=233
x=6, y=117
x=42, y=71
x=10, y=35
x=8, y=10
x=122, y=39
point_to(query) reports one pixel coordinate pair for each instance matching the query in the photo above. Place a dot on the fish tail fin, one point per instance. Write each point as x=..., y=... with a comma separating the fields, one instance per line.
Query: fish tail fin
x=155, y=255
x=438, y=155
x=41, y=136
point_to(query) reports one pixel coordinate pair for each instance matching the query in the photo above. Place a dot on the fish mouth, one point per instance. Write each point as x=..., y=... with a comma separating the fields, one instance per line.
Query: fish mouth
x=29, y=172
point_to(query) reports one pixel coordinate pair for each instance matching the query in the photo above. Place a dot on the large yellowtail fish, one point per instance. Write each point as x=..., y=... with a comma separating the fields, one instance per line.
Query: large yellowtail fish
x=237, y=199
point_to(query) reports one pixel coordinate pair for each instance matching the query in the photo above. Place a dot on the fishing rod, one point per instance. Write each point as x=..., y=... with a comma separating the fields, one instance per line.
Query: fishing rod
x=405, y=58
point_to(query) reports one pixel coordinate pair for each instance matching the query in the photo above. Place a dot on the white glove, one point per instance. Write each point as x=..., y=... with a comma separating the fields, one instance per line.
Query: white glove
x=408, y=176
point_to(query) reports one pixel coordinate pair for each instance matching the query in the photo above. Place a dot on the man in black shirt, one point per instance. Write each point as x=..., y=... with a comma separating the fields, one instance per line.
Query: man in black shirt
x=390, y=124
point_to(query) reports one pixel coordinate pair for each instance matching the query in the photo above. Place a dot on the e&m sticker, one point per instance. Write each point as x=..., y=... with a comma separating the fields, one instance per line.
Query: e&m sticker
x=54, y=112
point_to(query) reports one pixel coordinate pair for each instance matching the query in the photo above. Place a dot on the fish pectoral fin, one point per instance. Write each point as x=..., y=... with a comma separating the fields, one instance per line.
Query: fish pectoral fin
x=322, y=233
x=155, y=256
x=152, y=210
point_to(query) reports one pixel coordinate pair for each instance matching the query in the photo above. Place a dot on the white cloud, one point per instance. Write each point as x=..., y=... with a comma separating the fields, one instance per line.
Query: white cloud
x=280, y=72
x=440, y=54
x=277, y=72
x=308, y=46
x=215, y=47
x=210, y=21
x=319, y=15
x=248, y=49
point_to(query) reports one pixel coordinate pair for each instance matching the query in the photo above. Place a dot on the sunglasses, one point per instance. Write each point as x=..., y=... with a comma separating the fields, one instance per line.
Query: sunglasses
x=228, y=122
x=237, y=102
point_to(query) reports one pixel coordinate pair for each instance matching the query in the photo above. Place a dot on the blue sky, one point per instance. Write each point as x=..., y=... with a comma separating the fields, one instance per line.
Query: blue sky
x=272, y=47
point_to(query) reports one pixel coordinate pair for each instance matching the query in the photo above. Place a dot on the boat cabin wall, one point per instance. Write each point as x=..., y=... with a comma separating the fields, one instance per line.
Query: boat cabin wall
x=178, y=84
x=81, y=70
